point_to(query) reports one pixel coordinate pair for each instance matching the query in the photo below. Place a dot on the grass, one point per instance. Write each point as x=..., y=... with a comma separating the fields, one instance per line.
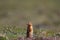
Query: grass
x=14, y=14
x=20, y=32
x=16, y=32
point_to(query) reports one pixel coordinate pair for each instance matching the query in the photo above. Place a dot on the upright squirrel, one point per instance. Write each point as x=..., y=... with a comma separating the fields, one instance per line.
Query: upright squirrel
x=29, y=30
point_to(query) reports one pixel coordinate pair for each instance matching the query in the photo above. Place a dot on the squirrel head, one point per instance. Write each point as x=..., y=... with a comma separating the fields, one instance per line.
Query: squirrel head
x=29, y=23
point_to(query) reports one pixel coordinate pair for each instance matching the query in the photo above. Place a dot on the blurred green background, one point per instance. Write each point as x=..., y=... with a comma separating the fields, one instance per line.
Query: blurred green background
x=15, y=14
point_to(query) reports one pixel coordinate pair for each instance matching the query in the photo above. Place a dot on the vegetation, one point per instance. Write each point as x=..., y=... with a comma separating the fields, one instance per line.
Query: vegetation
x=44, y=14
x=2, y=38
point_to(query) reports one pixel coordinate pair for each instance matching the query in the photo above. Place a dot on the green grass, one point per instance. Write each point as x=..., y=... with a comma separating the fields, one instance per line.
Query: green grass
x=14, y=15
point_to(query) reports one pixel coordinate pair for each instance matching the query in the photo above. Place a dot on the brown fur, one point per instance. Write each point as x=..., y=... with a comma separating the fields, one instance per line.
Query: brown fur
x=29, y=30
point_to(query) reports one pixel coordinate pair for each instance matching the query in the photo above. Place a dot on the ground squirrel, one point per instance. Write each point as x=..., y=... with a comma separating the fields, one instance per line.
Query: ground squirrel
x=29, y=30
